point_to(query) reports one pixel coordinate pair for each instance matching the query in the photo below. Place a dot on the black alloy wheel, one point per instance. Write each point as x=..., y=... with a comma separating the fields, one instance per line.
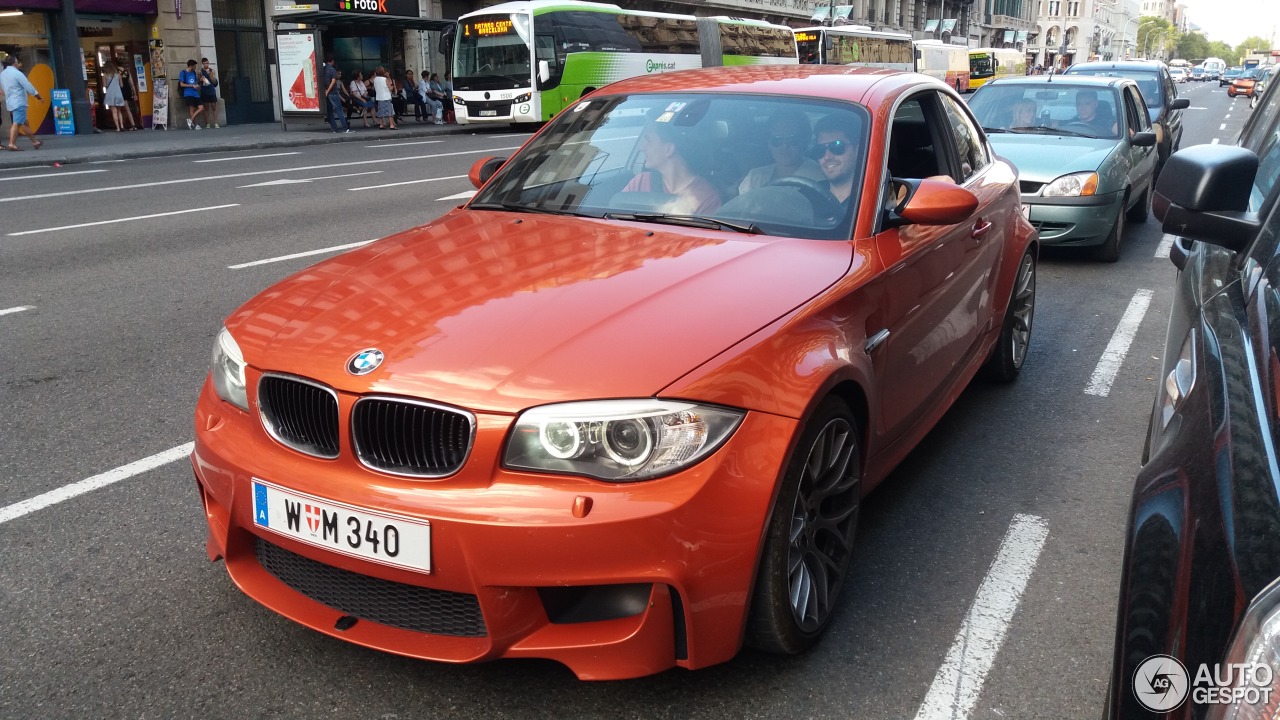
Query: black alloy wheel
x=810, y=536
x=1010, y=352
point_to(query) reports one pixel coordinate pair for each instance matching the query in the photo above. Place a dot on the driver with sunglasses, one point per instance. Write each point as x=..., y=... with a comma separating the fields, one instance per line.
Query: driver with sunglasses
x=789, y=137
x=835, y=157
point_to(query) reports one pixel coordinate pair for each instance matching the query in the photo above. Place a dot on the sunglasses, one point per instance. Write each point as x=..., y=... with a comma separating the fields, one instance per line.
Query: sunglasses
x=835, y=147
x=785, y=140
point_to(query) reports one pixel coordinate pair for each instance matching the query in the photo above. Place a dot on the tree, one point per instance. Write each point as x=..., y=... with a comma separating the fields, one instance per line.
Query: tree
x=1253, y=43
x=1193, y=47
x=1219, y=49
x=1155, y=35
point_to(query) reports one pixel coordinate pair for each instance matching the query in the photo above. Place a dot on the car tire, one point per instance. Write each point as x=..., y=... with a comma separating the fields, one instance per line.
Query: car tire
x=1109, y=250
x=1141, y=210
x=809, y=540
x=1010, y=352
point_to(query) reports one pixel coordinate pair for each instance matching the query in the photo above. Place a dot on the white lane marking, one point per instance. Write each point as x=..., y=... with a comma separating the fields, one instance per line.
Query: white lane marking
x=400, y=144
x=104, y=162
x=110, y=477
x=49, y=175
x=501, y=137
x=1166, y=244
x=1214, y=141
x=958, y=683
x=1197, y=108
x=20, y=308
x=460, y=196
x=407, y=182
x=246, y=157
x=180, y=181
x=120, y=220
x=282, y=258
x=1223, y=126
x=1227, y=116
x=297, y=181
x=1113, y=357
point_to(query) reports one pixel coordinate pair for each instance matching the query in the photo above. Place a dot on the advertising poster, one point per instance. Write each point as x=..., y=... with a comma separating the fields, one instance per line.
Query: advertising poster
x=160, y=104
x=63, y=123
x=157, y=60
x=297, y=55
x=140, y=73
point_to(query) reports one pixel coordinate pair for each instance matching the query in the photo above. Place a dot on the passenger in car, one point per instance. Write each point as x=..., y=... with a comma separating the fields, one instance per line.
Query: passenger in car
x=1024, y=114
x=789, y=138
x=666, y=171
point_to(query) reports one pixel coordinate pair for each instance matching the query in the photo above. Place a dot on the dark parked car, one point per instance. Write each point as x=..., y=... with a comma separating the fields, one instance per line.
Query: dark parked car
x=1200, y=585
x=1158, y=91
x=1228, y=75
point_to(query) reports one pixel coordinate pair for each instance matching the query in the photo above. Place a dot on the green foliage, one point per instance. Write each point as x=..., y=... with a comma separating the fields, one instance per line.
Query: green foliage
x=1193, y=47
x=1156, y=36
x=1219, y=49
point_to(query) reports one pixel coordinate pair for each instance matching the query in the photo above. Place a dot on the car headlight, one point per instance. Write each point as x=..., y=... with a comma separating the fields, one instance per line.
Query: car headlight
x=228, y=371
x=1255, y=693
x=618, y=440
x=522, y=98
x=1073, y=185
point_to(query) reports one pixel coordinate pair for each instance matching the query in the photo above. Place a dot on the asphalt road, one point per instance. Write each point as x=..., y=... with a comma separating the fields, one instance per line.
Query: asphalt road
x=110, y=607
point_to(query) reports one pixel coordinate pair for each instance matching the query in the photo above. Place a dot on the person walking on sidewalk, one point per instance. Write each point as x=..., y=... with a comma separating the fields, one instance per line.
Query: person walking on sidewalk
x=333, y=91
x=112, y=95
x=209, y=93
x=16, y=88
x=190, y=84
x=130, y=93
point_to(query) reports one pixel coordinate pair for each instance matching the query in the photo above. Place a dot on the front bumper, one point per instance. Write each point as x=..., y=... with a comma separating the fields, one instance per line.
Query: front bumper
x=1073, y=221
x=687, y=545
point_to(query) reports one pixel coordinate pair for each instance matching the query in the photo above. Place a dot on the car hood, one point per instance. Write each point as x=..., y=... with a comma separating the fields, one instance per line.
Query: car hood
x=500, y=311
x=1041, y=158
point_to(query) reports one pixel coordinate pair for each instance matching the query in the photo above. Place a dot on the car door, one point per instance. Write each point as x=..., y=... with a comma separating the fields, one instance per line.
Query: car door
x=936, y=286
x=1142, y=160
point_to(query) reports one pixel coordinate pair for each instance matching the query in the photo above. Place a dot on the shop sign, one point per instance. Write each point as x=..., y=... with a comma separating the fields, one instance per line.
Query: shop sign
x=63, y=123
x=396, y=8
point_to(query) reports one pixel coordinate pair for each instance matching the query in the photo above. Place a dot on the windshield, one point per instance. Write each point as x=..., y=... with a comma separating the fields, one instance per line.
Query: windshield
x=981, y=66
x=1148, y=82
x=1051, y=108
x=492, y=51
x=731, y=162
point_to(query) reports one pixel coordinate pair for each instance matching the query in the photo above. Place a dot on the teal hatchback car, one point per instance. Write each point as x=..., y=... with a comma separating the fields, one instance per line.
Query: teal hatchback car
x=1085, y=152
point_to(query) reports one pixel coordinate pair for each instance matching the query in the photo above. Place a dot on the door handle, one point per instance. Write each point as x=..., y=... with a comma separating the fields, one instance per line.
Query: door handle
x=980, y=229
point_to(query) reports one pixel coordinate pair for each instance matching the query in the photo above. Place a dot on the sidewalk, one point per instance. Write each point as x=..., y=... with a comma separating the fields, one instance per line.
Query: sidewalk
x=112, y=145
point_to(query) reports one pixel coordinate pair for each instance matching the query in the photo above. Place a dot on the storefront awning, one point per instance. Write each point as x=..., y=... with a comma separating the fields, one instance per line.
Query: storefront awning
x=331, y=17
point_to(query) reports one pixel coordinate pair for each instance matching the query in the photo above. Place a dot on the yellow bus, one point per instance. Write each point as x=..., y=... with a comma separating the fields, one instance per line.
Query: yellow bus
x=989, y=63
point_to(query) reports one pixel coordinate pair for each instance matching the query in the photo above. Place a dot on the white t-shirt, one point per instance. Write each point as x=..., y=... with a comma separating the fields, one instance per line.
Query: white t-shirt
x=381, y=91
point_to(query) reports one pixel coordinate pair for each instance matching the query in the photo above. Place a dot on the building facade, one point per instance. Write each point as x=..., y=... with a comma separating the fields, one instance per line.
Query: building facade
x=1071, y=31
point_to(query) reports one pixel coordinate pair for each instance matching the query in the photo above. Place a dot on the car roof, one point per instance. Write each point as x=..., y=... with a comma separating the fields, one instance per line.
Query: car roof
x=1150, y=65
x=841, y=82
x=1077, y=80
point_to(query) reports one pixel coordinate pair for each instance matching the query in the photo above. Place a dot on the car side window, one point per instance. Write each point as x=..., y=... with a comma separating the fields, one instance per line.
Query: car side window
x=970, y=149
x=1136, y=112
x=916, y=140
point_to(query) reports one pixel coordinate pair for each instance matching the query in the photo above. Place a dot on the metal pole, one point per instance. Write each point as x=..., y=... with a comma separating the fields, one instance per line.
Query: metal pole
x=72, y=67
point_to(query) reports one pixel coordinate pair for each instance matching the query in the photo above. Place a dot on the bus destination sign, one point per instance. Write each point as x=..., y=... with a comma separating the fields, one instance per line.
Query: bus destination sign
x=482, y=28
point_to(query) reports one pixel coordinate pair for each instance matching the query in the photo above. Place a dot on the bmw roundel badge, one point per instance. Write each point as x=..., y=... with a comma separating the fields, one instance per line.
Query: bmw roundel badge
x=365, y=361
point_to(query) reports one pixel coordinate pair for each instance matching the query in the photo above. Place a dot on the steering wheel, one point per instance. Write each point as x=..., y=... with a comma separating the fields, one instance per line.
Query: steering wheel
x=1080, y=126
x=825, y=205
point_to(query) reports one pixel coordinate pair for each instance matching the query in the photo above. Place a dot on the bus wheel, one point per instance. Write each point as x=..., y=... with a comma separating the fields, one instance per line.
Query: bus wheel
x=586, y=92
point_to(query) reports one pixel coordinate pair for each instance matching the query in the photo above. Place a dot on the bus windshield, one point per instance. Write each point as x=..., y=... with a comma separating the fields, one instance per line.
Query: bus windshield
x=493, y=47
x=981, y=66
x=809, y=44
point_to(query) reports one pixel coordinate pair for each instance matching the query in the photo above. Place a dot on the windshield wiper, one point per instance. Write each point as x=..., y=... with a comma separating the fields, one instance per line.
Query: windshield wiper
x=989, y=131
x=697, y=221
x=516, y=207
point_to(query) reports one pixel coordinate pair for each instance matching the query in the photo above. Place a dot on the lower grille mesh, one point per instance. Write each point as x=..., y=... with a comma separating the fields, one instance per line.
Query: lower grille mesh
x=439, y=612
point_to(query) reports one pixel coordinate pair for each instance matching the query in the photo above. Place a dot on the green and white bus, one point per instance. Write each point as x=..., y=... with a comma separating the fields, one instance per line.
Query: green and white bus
x=526, y=61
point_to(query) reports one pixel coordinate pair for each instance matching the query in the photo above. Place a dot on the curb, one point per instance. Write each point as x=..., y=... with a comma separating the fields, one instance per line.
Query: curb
x=297, y=138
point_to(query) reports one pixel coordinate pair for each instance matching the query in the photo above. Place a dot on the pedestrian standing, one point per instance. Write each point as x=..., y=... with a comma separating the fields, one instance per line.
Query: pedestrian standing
x=16, y=88
x=190, y=84
x=209, y=93
x=129, y=93
x=112, y=96
x=382, y=96
x=333, y=92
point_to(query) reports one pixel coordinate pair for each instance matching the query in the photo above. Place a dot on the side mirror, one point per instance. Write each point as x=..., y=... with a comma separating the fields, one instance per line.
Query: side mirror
x=544, y=71
x=929, y=201
x=483, y=169
x=1180, y=104
x=1143, y=139
x=1203, y=194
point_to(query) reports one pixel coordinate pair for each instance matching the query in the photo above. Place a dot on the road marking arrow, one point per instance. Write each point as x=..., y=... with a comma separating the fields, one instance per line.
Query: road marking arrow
x=460, y=196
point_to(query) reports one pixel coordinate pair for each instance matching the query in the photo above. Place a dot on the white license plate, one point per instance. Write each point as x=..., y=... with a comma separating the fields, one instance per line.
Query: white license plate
x=1026, y=211
x=488, y=113
x=367, y=534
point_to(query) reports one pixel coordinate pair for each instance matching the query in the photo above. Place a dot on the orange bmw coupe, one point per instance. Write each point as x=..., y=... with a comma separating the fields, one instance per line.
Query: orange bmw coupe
x=620, y=410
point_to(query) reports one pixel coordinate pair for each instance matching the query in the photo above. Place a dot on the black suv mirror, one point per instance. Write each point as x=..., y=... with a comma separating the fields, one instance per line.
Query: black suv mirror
x=1203, y=194
x=1180, y=104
